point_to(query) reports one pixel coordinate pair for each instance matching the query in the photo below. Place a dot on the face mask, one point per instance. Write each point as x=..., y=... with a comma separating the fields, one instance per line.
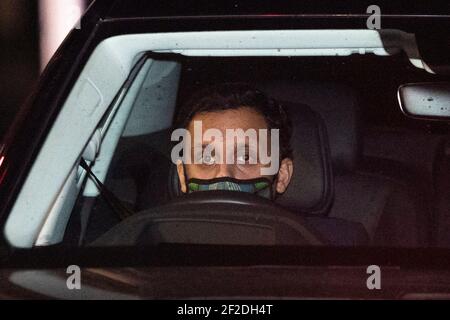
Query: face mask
x=258, y=186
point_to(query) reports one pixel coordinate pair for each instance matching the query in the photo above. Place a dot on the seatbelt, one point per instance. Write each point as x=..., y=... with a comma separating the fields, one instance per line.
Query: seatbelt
x=110, y=198
x=85, y=215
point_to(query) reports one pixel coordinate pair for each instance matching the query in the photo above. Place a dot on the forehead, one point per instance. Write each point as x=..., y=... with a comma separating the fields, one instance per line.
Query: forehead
x=242, y=118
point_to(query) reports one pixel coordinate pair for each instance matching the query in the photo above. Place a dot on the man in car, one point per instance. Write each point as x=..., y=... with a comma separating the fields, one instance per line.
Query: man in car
x=230, y=130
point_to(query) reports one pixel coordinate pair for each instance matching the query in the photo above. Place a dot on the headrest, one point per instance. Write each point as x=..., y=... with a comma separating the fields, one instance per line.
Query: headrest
x=311, y=187
x=338, y=106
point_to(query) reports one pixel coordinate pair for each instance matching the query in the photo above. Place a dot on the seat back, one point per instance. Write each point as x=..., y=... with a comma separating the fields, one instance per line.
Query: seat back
x=365, y=191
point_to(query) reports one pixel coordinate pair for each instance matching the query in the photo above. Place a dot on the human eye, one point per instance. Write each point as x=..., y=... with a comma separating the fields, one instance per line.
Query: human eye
x=208, y=160
x=246, y=158
x=243, y=158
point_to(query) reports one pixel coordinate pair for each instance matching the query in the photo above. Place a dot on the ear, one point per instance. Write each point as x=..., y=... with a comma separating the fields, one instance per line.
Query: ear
x=181, y=176
x=284, y=175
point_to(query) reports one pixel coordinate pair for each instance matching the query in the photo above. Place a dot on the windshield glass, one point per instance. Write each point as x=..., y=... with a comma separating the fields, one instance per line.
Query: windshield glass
x=267, y=151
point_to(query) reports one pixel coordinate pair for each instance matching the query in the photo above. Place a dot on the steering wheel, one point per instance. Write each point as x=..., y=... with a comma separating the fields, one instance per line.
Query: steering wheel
x=213, y=217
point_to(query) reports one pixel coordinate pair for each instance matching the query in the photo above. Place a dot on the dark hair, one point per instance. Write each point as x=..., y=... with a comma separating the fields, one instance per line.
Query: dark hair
x=235, y=95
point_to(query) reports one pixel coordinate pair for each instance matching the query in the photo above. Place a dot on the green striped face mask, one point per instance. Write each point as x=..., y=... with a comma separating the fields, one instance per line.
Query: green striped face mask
x=258, y=186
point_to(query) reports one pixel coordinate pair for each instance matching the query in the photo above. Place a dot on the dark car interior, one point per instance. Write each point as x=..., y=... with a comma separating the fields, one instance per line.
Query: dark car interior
x=365, y=175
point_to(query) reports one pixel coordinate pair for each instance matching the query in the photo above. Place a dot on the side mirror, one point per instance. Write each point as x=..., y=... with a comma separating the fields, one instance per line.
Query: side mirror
x=430, y=101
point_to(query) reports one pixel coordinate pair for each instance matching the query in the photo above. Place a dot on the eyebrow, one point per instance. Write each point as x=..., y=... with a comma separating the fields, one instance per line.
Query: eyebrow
x=204, y=145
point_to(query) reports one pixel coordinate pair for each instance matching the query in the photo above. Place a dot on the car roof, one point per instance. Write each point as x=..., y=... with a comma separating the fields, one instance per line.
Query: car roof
x=148, y=8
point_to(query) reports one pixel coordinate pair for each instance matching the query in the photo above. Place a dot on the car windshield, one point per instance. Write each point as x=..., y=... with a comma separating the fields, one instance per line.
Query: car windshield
x=261, y=139
x=347, y=168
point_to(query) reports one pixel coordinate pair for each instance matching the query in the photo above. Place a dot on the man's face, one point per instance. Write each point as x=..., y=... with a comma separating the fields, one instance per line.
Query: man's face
x=247, y=164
